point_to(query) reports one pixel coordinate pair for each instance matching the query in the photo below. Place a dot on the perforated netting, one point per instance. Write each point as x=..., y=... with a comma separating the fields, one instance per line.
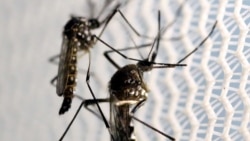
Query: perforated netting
x=209, y=99
x=206, y=100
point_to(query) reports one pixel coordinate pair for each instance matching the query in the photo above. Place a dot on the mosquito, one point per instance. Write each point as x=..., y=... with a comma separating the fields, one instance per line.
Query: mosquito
x=128, y=91
x=77, y=36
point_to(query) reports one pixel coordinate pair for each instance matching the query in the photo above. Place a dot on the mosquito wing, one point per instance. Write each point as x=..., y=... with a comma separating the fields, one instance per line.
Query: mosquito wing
x=62, y=69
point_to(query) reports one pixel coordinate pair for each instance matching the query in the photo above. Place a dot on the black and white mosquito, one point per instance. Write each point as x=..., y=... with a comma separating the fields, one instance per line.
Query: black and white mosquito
x=128, y=91
x=77, y=36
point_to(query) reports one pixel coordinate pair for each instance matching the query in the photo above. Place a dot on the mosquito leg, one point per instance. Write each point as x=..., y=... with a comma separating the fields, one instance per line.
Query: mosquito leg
x=53, y=80
x=133, y=59
x=107, y=56
x=178, y=12
x=138, y=105
x=106, y=21
x=85, y=103
x=78, y=110
x=109, y=17
x=54, y=58
x=92, y=93
x=91, y=102
x=115, y=50
x=153, y=128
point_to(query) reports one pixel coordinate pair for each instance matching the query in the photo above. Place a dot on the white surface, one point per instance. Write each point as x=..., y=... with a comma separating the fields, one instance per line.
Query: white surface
x=209, y=99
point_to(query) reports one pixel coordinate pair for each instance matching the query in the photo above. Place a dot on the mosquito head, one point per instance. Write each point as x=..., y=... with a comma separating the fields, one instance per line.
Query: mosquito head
x=93, y=23
x=145, y=65
x=72, y=27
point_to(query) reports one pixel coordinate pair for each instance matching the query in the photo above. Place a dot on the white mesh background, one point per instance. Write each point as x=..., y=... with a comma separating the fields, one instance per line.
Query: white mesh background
x=207, y=100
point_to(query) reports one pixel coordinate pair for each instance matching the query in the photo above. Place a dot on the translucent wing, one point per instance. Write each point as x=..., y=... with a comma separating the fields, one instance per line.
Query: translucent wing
x=62, y=69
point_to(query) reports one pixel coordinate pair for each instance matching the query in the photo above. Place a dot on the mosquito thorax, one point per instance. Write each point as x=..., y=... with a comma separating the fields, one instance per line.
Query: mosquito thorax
x=77, y=30
x=127, y=87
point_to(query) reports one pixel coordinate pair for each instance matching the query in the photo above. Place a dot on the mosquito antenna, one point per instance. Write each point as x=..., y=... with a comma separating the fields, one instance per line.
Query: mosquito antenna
x=201, y=43
x=156, y=40
x=154, y=54
x=159, y=34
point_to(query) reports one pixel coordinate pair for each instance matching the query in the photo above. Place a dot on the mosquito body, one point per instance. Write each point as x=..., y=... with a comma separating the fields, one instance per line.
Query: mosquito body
x=76, y=36
x=126, y=88
x=128, y=91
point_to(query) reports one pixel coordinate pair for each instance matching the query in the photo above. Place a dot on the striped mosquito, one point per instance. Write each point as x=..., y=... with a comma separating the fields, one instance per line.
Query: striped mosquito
x=77, y=36
x=128, y=91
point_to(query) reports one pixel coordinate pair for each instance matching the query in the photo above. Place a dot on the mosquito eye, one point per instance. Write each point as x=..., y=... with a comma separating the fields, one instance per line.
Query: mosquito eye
x=94, y=23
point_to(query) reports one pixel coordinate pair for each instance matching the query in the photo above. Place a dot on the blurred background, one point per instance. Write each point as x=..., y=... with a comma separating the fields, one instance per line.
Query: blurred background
x=207, y=100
